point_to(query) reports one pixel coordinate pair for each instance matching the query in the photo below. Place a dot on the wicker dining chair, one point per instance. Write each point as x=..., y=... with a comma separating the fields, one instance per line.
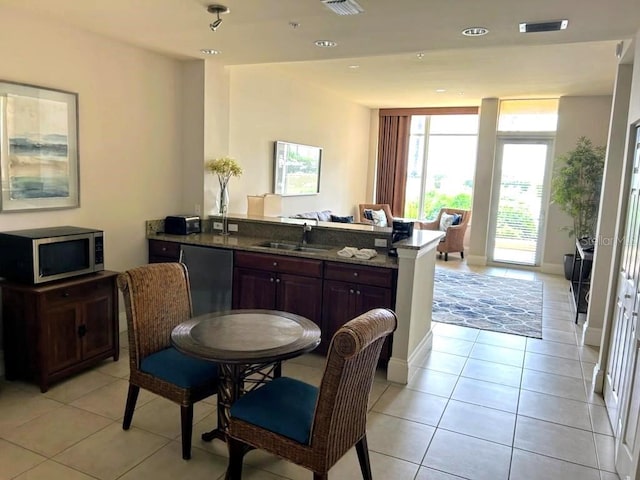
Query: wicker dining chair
x=315, y=427
x=157, y=297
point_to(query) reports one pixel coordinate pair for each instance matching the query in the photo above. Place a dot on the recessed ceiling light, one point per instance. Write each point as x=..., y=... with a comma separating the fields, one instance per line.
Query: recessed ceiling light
x=325, y=43
x=552, y=26
x=209, y=51
x=440, y=90
x=294, y=25
x=420, y=55
x=475, y=31
x=354, y=67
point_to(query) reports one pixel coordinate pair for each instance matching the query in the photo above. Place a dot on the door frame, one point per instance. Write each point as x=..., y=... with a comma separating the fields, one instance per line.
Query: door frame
x=547, y=138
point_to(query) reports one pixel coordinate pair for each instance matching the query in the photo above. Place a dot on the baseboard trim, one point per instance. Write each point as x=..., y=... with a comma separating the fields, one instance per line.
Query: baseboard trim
x=401, y=371
x=476, y=260
x=552, y=268
x=591, y=336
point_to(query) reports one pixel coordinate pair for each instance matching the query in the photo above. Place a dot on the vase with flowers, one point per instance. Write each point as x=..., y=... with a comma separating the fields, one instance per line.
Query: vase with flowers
x=224, y=168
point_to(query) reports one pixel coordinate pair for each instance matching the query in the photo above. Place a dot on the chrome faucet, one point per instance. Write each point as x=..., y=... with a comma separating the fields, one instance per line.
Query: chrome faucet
x=305, y=233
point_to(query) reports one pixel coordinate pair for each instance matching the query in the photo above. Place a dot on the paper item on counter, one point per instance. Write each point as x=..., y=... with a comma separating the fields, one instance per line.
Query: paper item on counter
x=347, y=252
x=365, y=253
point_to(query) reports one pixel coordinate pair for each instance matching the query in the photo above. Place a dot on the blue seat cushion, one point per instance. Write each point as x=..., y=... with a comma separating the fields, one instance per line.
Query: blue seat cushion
x=284, y=406
x=180, y=369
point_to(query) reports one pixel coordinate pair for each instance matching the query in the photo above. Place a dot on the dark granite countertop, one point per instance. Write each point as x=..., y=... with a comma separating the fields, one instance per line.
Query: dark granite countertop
x=252, y=244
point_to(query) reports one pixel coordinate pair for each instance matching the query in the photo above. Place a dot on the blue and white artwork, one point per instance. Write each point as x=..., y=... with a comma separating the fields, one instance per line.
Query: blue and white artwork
x=38, y=147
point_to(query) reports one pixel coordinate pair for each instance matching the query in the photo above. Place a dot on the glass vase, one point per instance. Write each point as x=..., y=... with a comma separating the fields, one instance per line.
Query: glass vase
x=222, y=200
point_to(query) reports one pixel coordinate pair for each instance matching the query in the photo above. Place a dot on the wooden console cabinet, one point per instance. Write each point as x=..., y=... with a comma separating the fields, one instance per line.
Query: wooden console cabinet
x=54, y=330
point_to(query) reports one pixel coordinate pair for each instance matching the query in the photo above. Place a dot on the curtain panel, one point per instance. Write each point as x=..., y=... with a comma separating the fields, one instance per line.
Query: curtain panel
x=393, y=148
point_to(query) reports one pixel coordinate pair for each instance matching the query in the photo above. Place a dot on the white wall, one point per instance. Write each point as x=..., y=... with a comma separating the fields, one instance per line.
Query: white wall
x=264, y=106
x=577, y=117
x=129, y=128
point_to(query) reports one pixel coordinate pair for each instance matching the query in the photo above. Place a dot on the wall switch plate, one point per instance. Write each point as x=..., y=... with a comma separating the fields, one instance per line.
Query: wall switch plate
x=217, y=225
x=233, y=227
x=380, y=242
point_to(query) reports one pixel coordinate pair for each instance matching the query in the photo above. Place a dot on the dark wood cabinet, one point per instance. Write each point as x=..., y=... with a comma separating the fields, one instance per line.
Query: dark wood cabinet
x=351, y=290
x=162, y=251
x=277, y=282
x=54, y=330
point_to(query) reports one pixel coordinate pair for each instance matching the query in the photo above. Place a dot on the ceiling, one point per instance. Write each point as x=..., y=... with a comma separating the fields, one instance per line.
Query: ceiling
x=383, y=42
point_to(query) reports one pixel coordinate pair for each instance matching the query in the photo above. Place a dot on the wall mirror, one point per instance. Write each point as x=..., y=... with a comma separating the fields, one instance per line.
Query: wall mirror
x=296, y=169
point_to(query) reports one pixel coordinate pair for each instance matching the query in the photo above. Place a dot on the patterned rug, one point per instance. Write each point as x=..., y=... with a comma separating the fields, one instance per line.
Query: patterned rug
x=487, y=302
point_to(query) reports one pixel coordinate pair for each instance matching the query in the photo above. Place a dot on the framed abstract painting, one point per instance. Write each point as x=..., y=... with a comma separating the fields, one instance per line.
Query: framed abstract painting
x=38, y=148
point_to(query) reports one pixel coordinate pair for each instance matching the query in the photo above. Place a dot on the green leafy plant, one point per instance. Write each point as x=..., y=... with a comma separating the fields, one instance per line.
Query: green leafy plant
x=576, y=186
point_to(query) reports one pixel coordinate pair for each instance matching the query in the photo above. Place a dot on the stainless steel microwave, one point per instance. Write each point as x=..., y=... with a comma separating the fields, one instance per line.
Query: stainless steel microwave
x=42, y=255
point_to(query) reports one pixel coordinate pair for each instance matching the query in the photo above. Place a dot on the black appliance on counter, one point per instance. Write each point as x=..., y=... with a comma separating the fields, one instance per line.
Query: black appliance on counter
x=182, y=224
x=401, y=229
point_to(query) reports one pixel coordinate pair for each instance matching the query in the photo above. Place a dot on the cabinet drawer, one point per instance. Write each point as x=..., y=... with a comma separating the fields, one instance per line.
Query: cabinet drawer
x=76, y=293
x=160, y=248
x=380, y=277
x=279, y=263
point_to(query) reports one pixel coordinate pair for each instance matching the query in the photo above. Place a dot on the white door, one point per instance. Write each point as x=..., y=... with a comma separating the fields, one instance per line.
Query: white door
x=517, y=216
x=622, y=379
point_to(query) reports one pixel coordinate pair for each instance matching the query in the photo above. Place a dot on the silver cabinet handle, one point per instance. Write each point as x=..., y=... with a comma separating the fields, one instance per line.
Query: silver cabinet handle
x=271, y=279
x=355, y=274
x=351, y=290
x=275, y=264
x=277, y=280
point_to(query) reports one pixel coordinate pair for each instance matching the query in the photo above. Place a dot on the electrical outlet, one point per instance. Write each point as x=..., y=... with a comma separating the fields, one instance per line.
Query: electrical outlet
x=217, y=225
x=380, y=242
x=233, y=227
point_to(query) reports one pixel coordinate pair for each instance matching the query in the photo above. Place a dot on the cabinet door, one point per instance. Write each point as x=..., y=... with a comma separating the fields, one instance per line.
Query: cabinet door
x=60, y=327
x=96, y=331
x=368, y=298
x=338, y=303
x=300, y=295
x=254, y=289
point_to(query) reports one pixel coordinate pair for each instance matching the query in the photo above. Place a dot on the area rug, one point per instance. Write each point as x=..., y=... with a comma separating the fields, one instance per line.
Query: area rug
x=488, y=302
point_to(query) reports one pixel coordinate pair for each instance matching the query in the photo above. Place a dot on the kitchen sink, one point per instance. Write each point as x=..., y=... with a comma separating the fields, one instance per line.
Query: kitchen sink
x=293, y=247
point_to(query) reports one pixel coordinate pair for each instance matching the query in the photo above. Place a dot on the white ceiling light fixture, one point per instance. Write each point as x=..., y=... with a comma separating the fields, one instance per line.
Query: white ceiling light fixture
x=343, y=7
x=475, y=31
x=217, y=9
x=552, y=26
x=325, y=43
x=210, y=51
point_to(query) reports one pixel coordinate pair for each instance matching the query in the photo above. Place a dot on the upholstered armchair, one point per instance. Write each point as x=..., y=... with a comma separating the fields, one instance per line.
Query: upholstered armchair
x=375, y=206
x=453, y=240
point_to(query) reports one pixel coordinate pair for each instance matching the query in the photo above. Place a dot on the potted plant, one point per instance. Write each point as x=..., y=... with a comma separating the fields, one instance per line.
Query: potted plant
x=225, y=168
x=576, y=186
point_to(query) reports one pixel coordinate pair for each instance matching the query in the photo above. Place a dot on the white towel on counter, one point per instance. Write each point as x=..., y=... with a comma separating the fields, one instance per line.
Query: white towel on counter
x=366, y=253
x=348, y=252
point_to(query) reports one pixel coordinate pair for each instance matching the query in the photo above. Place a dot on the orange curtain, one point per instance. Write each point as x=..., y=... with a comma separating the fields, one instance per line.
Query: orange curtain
x=393, y=148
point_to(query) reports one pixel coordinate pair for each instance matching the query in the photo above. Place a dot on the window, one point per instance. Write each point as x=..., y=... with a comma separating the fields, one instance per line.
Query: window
x=441, y=163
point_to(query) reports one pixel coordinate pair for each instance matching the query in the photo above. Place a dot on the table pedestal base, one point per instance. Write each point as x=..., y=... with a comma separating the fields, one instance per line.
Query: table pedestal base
x=235, y=380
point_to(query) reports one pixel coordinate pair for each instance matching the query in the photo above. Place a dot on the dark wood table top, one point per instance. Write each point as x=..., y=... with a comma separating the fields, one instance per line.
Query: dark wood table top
x=246, y=336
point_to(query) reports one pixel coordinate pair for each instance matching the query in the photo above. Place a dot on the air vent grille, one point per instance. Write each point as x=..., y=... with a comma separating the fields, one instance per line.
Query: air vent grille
x=527, y=27
x=343, y=7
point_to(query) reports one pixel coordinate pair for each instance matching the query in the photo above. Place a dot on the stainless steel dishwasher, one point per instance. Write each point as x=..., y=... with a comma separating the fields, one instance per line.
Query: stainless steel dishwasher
x=211, y=277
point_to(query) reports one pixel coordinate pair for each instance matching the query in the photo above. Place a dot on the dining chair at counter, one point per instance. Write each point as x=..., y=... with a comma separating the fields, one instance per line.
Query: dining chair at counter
x=314, y=427
x=157, y=297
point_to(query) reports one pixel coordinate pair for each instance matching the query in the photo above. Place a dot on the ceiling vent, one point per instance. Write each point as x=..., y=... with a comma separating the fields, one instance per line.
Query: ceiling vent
x=527, y=27
x=343, y=7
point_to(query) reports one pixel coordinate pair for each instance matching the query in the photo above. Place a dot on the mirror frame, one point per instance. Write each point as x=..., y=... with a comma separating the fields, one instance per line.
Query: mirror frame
x=282, y=157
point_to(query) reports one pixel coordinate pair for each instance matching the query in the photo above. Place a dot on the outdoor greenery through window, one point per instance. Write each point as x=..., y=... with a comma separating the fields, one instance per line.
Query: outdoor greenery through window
x=441, y=164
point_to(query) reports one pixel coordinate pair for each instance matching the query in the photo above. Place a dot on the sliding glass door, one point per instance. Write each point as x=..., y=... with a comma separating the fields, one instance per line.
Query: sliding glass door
x=517, y=215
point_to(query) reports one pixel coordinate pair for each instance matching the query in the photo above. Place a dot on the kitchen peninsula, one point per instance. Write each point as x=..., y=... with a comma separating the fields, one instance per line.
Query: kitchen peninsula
x=404, y=283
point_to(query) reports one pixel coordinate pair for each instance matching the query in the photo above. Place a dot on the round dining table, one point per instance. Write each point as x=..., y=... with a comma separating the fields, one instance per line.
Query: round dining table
x=248, y=346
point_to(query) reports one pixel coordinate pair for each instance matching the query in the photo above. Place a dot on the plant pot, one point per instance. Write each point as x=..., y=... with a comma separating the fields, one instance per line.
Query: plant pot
x=568, y=268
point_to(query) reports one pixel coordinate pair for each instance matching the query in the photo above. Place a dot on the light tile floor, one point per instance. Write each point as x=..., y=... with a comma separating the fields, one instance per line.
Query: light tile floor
x=483, y=406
